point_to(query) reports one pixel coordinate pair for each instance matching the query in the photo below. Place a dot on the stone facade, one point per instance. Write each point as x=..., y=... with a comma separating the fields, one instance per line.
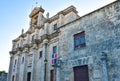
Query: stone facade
x=3, y=76
x=100, y=53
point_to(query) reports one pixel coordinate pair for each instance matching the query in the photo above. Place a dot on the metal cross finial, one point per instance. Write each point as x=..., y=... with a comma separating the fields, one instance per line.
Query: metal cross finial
x=36, y=2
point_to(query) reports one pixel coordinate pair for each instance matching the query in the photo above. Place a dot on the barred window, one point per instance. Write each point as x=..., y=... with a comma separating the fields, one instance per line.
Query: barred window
x=79, y=40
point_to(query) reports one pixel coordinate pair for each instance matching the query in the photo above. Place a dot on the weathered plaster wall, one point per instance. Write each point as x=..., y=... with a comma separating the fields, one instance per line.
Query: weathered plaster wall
x=102, y=30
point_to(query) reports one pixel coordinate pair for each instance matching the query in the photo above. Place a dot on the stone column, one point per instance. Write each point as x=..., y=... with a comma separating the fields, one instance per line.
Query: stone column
x=104, y=68
x=25, y=65
x=18, y=68
x=45, y=59
x=10, y=68
x=33, y=72
x=59, y=61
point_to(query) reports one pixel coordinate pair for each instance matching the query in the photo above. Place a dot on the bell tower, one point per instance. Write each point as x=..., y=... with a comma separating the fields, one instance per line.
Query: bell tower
x=37, y=17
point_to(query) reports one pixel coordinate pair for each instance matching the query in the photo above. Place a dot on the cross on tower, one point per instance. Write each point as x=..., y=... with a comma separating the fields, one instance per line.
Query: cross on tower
x=36, y=2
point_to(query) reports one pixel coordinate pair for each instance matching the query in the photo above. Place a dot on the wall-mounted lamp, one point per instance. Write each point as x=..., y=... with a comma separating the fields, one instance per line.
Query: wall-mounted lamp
x=45, y=61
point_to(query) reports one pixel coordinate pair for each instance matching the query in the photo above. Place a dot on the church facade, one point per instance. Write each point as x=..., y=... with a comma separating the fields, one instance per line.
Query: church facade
x=67, y=47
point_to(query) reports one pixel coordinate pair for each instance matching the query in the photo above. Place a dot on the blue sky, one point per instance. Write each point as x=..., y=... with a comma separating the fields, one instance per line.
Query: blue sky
x=14, y=15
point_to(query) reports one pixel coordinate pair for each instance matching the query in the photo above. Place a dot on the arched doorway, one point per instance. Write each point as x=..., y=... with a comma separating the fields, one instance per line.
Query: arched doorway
x=13, y=78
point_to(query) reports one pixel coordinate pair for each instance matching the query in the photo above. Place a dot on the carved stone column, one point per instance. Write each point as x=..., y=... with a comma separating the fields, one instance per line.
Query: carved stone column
x=104, y=68
x=25, y=65
x=45, y=46
x=10, y=68
x=33, y=75
x=18, y=67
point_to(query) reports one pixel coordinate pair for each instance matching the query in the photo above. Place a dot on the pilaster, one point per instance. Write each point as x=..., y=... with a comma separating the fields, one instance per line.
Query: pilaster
x=35, y=51
x=104, y=66
x=46, y=28
x=25, y=65
x=18, y=67
x=9, y=77
x=45, y=48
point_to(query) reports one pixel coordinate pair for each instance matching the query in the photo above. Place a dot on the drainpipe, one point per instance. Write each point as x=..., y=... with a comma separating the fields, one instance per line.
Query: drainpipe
x=104, y=66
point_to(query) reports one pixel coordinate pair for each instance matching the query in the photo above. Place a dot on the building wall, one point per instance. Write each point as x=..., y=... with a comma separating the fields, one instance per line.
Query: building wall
x=101, y=37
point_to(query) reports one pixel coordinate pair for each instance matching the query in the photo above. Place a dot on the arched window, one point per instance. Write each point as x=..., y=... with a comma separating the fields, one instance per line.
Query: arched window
x=13, y=78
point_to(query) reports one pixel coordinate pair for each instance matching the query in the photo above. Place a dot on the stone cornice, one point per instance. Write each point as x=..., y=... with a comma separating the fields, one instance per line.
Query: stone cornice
x=23, y=35
x=13, y=52
x=64, y=12
x=55, y=17
x=36, y=41
x=26, y=46
x=28, y=32
x=38, y=27
x=67, y=10
x=19, y=49
x=47, y=21
x=15, y=40
x=53, y=35
x=45, y=36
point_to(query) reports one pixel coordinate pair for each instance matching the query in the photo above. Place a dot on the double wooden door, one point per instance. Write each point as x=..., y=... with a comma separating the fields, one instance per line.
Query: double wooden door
x=81, y=73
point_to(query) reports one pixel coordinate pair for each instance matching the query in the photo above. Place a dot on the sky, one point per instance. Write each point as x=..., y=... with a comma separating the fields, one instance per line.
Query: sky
x=14, y=15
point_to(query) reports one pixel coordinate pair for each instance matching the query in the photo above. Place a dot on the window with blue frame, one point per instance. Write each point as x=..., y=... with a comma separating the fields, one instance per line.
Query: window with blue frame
x=55, y=49
x=79, y=40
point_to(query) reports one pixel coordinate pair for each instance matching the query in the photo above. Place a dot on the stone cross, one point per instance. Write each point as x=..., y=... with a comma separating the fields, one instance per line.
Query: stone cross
x=22, y=31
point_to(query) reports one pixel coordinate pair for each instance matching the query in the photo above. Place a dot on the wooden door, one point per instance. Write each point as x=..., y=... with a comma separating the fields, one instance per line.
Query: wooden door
x=28, y=76
x=13, y=78
x=81, y=73
x=52, y=75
